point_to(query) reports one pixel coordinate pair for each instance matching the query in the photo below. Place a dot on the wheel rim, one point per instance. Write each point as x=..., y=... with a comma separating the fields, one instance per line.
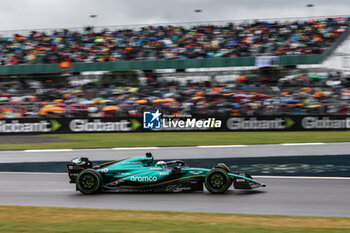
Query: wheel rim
x=217, y=181
x=88, y=181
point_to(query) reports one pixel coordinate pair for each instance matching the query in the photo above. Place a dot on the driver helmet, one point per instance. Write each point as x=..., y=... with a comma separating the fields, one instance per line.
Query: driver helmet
x=161, y=164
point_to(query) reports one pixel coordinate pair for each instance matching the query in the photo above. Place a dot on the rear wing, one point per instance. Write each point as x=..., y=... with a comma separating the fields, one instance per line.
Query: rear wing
x=76, y=166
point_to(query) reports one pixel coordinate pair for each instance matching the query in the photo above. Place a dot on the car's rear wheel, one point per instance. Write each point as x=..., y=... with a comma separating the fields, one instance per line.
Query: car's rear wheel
x=89, y=181
x=217, y=181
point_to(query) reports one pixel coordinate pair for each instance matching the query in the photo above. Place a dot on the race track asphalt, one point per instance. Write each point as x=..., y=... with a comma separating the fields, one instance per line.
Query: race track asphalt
x=282, y=196
x=235, y=151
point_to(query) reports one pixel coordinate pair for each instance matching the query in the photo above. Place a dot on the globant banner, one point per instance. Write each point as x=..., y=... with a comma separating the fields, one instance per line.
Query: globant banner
x=156, y=122
x=68, y=125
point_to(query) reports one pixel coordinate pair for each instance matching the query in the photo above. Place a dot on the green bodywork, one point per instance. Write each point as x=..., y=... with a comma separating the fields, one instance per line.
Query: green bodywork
x=141, y=170
x=141, y=174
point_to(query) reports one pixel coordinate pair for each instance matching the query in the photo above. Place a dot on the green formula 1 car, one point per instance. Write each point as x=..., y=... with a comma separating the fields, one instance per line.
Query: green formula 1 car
x=139, y=174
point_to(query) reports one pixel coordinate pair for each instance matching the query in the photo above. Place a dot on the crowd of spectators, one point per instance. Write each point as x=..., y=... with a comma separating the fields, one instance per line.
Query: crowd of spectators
x=295, y=95
x=173, y=42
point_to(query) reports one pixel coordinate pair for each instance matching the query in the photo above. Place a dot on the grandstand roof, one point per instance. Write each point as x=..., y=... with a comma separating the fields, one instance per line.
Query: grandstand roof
x=26, y=31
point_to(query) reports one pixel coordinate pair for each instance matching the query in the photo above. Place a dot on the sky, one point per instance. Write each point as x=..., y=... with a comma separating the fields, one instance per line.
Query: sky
x=39, y=14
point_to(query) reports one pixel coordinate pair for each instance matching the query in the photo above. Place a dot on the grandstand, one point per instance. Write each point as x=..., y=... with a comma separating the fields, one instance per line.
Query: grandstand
x=226, y=44
x=258, y=57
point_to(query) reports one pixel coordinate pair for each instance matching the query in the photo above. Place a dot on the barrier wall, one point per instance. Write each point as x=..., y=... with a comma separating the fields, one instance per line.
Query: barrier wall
x=314, y=165
x=155, y=64
x=194, y=123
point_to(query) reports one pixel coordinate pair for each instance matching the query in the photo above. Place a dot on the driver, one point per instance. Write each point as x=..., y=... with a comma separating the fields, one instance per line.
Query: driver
x=161, y=164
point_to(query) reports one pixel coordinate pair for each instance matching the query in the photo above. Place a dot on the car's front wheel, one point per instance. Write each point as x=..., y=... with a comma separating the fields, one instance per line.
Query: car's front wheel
x=217, y=181
x=89, y=181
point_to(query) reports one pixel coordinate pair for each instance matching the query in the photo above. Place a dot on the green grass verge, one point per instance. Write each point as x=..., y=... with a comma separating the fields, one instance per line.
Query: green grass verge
x=109, y=140
x=51, y=219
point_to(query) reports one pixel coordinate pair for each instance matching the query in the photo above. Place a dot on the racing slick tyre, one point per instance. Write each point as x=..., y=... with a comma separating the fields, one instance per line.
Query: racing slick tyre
x=223, y=167
x=89, y=181
x=217, y=181
x=226, y=168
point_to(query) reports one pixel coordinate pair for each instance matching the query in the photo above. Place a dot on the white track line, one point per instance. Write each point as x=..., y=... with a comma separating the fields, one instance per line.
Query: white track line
x=156, y=148
x=136, y=148
x=49, y=150
x=222, y=146
x=302, y=144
